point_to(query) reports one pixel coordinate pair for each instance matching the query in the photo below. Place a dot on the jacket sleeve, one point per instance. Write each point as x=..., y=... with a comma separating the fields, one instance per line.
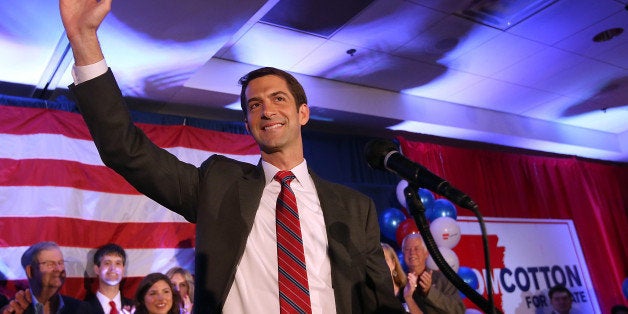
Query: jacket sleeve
x=125, y=148
x=443, y=297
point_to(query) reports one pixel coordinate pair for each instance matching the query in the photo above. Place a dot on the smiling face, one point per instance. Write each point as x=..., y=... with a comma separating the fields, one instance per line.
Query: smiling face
x=158, y=298
x=111, y=269
x=49, y=271
x=272, y=117
x=415, y=254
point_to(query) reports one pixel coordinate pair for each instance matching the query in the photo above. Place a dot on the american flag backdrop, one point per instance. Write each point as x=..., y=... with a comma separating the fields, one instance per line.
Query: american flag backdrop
x=54, y=187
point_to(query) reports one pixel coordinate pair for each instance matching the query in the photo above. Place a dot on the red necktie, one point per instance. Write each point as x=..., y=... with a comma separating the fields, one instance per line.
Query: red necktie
x=294, y=293
x=114, y=310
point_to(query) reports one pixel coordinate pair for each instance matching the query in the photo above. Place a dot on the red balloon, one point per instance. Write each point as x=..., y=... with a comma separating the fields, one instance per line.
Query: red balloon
x=405, y=228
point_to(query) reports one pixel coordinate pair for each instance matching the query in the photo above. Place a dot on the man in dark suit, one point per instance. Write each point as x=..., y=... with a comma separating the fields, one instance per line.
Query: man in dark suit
x=109, y=263
x=45, y=269
x=427, y=291
x=233, y=203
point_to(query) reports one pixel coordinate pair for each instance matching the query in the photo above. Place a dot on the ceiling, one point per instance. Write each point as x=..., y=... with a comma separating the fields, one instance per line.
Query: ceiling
x=524, y=74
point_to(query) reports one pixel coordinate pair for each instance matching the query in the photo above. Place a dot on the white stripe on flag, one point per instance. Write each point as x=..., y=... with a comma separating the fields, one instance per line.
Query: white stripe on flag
x=48, y=146
x=36, y=201
x=59, y=147
x=80, y=260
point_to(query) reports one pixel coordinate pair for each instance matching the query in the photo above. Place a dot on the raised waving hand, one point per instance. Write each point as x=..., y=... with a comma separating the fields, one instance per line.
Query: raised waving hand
x=81, y=19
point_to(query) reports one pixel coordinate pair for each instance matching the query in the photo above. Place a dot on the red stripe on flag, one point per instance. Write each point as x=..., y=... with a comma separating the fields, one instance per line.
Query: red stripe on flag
x=23, y=121
x=72, y=232
x=48, y=172
x=76, y=287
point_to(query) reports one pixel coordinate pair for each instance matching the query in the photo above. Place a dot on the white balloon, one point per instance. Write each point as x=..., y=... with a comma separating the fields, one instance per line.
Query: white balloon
x=450, y=257
x=446, y=232
x=401, y=197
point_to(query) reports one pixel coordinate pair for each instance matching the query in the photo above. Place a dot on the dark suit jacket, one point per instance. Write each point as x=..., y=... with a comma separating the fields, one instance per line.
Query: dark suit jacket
x=70, y=306
x=443, y=297
x=222, y=197
x=3, y=300
x=92, y=299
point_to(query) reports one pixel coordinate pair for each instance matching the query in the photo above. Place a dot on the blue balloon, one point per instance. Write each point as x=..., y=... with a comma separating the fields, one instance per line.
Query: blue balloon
x=389, y=220
x=469, y=277
x=442, y=208
x=427, y=198
x=624, y=287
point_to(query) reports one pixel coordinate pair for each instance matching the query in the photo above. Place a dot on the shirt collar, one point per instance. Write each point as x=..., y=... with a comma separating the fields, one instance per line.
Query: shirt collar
x=35, y=301
x=300, y=172
x=104, y=300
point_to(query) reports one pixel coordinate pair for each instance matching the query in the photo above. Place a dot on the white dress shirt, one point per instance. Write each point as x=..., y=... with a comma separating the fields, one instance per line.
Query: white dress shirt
x=104, y=302
x=256, y=288
x=84, y=73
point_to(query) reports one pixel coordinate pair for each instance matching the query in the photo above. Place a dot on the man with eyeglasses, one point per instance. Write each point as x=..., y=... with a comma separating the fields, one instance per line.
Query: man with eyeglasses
x=45, y=269
x=427, y=291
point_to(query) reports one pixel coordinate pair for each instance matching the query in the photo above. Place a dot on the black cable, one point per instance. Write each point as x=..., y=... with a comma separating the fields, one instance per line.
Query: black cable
x=487, y=261
x=417, y=210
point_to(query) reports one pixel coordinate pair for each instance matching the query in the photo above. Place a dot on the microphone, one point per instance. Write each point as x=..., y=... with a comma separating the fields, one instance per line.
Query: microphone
x=384, y=155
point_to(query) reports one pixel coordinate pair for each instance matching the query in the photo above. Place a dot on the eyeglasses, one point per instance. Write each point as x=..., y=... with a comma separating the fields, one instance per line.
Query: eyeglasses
x=52, y=264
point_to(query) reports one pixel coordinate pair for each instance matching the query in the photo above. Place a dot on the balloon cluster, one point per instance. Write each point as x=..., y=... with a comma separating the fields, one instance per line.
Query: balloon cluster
x=396, y=224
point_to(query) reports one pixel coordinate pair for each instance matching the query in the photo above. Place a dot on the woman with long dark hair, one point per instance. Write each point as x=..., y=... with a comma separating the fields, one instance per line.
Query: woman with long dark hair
x=156, y=295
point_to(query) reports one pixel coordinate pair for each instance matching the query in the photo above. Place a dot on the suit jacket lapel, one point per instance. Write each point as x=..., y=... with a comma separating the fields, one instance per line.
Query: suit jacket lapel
x=236, y=212
x=93, y=301
x=340, y=248
x=250, y=189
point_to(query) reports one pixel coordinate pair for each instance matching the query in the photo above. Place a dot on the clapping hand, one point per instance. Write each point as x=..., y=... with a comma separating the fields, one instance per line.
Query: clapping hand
x=425, y=281
x=18, y=305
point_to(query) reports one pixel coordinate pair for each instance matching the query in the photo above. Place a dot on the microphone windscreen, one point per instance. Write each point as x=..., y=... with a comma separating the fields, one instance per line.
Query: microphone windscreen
x=376, y=150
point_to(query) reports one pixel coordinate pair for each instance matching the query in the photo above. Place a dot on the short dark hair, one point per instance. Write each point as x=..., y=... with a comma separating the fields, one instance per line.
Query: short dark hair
x=559, y=288
x=31, y=254
x=619, y=309
x=148, y=282
x=296, y=89
x=109, y=249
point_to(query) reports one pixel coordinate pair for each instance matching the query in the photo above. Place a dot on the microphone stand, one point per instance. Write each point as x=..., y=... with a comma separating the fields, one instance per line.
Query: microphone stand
x=417, y=210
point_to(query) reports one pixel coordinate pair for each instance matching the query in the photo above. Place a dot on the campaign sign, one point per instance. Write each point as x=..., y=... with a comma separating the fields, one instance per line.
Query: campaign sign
x=528, y=257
